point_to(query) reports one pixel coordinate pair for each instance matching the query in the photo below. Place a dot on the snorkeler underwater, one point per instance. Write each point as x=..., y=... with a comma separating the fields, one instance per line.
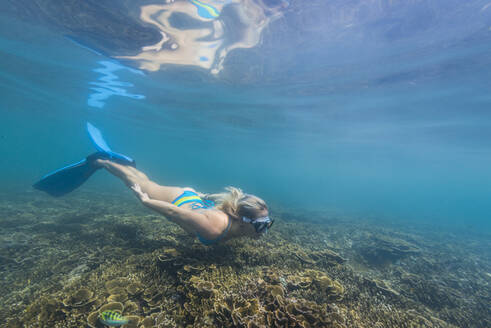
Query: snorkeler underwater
x=217, y=221
x=245, y=163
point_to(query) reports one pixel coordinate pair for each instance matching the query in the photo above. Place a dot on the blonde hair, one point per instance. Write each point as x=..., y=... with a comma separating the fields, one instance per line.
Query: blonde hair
x=236, y=203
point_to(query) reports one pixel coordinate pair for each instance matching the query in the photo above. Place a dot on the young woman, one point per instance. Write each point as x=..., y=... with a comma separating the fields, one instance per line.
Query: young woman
x=212, y=218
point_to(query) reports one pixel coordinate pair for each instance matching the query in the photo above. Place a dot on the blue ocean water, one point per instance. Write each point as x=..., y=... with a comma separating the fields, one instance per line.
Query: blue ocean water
x=371, y=108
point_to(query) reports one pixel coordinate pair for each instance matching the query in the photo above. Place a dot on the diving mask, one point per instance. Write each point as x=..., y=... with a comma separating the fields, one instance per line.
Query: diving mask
x=260, y=224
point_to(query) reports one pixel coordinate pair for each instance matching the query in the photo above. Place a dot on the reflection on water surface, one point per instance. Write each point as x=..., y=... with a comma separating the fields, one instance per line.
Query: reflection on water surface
x=200, y=33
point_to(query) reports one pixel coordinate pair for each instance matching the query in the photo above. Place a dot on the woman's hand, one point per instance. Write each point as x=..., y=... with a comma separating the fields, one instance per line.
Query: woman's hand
x=139, y=193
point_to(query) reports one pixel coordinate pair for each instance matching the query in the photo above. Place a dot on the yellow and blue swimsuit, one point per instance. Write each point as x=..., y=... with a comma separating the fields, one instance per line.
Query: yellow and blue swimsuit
x=189, y=196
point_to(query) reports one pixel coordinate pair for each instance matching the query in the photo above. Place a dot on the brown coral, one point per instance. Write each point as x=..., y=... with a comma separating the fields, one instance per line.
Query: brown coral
x=80, y=298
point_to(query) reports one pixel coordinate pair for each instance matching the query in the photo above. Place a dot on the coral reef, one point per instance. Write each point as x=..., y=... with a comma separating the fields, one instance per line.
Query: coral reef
x=382, y=250
x=65, y=261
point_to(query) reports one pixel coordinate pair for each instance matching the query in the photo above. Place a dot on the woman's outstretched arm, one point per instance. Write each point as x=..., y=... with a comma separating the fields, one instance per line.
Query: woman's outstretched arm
x=191, y=221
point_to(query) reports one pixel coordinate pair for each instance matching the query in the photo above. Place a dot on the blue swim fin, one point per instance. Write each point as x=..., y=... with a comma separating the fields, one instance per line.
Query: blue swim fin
x=66, y=179
x=70, y=177
x=101, y=145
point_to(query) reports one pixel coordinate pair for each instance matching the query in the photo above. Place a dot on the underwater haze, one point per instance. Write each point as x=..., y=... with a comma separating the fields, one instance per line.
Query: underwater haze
x=375, y=110
x=378, y=107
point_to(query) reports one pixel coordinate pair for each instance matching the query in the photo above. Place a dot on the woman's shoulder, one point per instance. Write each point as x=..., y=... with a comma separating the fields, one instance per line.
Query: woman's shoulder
x=212, y=211
x=216, y=215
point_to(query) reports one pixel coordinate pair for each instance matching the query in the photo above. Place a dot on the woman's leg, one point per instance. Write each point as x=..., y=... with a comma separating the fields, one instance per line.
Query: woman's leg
x=130, y=176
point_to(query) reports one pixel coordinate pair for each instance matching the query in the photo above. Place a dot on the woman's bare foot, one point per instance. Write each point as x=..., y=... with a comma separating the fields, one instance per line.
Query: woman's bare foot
x=100, y=163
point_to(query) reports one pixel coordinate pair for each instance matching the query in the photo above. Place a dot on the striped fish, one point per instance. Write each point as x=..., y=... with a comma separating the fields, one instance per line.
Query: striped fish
x=205, y=10
x=112, y=318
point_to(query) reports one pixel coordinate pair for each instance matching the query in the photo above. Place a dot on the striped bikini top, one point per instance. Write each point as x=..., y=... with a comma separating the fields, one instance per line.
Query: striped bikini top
x=189, y=196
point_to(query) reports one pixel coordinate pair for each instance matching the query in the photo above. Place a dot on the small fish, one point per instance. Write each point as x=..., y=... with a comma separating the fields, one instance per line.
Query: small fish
x=112, y=318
